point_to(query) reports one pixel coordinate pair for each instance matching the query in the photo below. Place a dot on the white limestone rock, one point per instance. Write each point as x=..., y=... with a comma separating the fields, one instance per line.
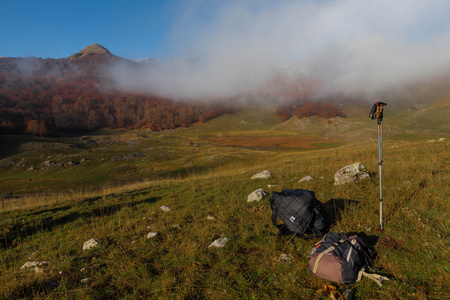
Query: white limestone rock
x=306, y=178
x=219, y=243
x=85, y=280
x=165, y=208
x=263, y=175
x=287, y=257
x=36, y=266
x=351, y=173
x=151, y=235
x=257, y=195
x=90, y=244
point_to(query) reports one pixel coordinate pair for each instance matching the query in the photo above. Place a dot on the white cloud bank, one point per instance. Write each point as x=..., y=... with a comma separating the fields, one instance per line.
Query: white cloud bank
x=362, y=46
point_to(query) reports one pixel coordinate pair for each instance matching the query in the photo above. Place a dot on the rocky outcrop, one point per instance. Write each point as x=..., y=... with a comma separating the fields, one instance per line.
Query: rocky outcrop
x=90, y=244
x=263, y=175
x=257, y=195
x=351, y=173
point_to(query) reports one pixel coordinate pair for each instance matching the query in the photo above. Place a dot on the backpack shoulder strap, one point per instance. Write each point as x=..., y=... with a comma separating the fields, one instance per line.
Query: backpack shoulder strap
x=328, y=250
x=319, y=257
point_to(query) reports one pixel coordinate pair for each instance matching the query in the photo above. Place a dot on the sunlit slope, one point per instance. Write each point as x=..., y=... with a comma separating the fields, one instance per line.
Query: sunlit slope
x=31, y=164
x=257, y=117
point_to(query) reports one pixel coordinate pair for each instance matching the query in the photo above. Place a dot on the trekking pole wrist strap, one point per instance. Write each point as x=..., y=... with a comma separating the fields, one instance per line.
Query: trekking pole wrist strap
x=375, y=277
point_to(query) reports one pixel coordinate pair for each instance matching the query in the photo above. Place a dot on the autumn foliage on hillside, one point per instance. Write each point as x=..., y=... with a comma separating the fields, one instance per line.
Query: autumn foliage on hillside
x=41, y=96
x=45, y=95
x=298, y=97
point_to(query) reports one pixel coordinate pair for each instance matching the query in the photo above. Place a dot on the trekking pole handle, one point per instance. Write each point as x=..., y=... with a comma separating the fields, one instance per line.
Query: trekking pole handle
x=377, y=111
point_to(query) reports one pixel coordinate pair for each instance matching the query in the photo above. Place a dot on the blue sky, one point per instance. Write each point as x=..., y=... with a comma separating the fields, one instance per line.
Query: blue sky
x=349, y=44
x=56, y=29
x=161, y=28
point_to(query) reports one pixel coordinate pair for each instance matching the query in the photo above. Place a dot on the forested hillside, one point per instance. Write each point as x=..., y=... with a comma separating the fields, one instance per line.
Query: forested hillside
x=41, y=96
x=38, y=96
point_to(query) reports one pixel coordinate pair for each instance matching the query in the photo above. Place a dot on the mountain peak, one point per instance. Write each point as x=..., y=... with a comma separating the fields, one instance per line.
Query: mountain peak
x=90, y=50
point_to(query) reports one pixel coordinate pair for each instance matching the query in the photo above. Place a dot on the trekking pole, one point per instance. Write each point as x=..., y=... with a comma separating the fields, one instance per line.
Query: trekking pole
x=377, y=112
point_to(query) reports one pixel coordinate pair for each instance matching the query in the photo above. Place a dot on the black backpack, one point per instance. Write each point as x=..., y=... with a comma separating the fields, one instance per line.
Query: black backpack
x=341, y=259
x=300, y=211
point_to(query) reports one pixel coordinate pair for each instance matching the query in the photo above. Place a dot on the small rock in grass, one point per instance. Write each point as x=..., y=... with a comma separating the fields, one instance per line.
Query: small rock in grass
x=286, y=257
x=219, y=243
x=85, y=280
x=92, y=243
x=35, y=265
x=263, y=175
x=306, y=178
x=351, y=173
x=257, y=195
x=165, y=208
x=151, y=235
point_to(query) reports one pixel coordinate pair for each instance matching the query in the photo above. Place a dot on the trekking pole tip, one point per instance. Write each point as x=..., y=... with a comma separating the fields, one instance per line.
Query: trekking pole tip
x=379, y=229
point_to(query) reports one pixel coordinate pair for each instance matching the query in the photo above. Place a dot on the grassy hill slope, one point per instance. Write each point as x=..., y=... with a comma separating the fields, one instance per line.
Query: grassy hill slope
x=190, y=171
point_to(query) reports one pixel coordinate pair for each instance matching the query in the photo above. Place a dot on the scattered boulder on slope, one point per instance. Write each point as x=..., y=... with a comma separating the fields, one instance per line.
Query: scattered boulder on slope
x=165, y=208
x=35, y=265
x=49, y=164
x=257, y=195
x=351, y=173
x=263, y=175
x=286, y=257
x=92, y=243
x=219, y=243
x=151, y=235
x=7, y=162
x=306, y=178
x=85, y=280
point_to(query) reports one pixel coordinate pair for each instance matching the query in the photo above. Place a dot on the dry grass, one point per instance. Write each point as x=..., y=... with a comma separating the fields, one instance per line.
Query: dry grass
x=177, y=264
x=115, y=196
x=271, y=142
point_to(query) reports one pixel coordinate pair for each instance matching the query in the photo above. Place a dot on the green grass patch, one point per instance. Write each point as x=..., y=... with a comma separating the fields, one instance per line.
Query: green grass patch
x=114, y=190
x=412, y=251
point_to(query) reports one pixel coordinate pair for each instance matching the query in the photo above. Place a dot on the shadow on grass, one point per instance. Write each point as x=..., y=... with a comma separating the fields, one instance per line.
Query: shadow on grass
x=10, y=144
x=369, y=240
x=36, y=288
x=334, y=207
x=53, y=210
x=47, y=224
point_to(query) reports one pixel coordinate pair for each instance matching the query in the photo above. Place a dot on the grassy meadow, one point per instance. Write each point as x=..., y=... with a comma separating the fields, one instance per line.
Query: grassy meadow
x=110, y=185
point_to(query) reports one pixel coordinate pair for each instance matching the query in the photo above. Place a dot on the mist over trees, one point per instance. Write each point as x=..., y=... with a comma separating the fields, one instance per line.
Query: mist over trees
x=38, y=96
x=41, y=96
